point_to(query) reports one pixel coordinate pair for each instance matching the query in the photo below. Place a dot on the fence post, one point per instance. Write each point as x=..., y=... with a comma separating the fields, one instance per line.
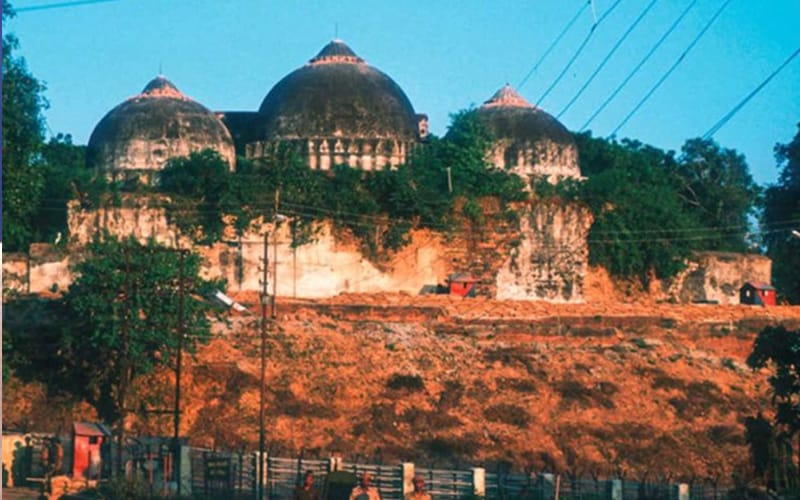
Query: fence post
x=683, y=491
x=479, y=481
x=265, y=467
x=548, y=482
x=615, y=489
x=407, y=470
x=185, y=472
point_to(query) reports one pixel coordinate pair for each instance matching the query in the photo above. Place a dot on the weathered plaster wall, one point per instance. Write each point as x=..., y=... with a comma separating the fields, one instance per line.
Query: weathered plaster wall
x=135, y=218
x=44, y=269
x=542, y=158
x=15, y=272
x=551, y=258
x=718, y=276
x=327, y=266
x=325, y=153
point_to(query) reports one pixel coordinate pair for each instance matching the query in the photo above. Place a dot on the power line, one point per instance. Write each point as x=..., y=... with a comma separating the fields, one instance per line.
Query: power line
x=721, y=123
x=639, y=66
x=608, y=57
x=553, y=45
x=578, y=52
x=672, y=68
x=60, y=5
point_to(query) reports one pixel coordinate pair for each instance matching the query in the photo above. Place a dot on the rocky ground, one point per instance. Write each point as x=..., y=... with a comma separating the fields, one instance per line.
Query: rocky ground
x=594, y=388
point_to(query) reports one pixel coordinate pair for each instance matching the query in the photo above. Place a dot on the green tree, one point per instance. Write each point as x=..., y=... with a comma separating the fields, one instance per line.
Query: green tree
x=718, y=191
x=782, y=215
x=779, y=349
x=465, y=149
x=200, y=187
x=641, y=226
x=121, y=319
x=23, y=135
x=65, y=178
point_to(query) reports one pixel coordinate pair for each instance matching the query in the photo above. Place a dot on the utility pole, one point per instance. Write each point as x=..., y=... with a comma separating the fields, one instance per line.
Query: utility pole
x=275, y=252
x=123, y=387
x=294, y=258
x=262, y=408
x=176, y=463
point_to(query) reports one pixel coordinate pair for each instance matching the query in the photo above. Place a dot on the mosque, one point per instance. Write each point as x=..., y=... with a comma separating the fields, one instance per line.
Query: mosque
x=338, y=110
x=334, y=110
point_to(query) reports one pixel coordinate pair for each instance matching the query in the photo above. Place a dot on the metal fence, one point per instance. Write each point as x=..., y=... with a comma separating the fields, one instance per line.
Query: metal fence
x=284, y=474
x=226, y=474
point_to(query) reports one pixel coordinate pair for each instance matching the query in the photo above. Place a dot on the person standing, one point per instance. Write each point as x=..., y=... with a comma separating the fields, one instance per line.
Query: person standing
x=419, y=492
x=52, y=461
x=306, y=491
x=364, y=490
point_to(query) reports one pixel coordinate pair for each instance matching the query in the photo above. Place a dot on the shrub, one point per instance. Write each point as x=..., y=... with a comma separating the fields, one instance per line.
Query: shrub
x=410, y=383
x=508, y=414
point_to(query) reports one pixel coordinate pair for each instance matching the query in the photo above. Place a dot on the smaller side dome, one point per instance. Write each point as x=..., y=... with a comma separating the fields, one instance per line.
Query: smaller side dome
x=528, y=141
x=141, y=134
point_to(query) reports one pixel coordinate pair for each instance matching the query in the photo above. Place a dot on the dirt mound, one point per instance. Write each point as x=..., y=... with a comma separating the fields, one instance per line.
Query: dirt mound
x=591, y=388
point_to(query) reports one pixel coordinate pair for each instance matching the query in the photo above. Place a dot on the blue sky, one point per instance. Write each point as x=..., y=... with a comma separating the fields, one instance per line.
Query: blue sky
x=446, y=55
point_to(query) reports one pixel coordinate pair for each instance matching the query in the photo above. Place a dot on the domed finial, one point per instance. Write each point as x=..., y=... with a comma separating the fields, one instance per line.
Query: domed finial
x=507, y=97
x=161, y=87
x=336, y=52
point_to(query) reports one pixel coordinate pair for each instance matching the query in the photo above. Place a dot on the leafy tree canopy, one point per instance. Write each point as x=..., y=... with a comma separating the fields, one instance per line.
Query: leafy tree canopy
x=23, y=135
x=718, y=191
x=781, y=215
x=379, y=207
x=640, y=221
x=65, y=178
x=652, y=209
x=200, y=185
x=119, y=320
x=779, y=349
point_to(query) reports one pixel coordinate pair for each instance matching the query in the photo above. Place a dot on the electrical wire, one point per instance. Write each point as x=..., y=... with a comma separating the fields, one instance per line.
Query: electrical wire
x=725, y=119
x=607, y=57
x=672, y=68
x=578, y=52
x=553, y=45
x=639, y=66
x=60, y=5
x=678, y=234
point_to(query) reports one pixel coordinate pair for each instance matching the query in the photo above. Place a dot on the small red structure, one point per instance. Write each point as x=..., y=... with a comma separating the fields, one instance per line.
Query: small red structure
x=759, y=294
x=87, y=457
x=462, y=284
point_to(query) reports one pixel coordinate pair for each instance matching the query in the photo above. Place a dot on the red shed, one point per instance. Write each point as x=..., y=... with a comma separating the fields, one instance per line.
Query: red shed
x=87, y=458
x=760, y=294
x=462, y=284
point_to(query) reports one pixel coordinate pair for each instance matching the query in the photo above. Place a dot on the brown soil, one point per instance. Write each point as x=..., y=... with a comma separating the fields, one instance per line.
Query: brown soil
x=603, y=388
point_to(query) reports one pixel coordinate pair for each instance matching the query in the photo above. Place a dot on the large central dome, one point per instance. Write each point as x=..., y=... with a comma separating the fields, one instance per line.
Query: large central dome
x=338, y=104
x=337, y=94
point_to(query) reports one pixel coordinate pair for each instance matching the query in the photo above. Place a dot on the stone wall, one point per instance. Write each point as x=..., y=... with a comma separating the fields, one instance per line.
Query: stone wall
x=324, y=153
x=550, y=259
x=541, y=158
x=45, y=269
x=329, y=265
x=543, y=257
x=718, y=276
x=134, y=217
